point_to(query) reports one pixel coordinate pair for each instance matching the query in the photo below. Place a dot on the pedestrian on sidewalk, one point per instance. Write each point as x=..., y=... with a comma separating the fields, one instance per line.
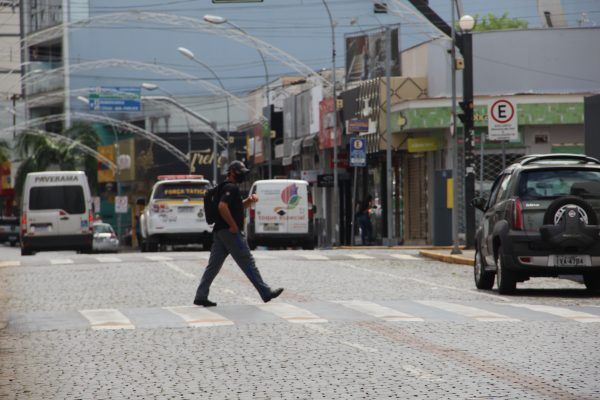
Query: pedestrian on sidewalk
x=363, y=216
x=229, y=239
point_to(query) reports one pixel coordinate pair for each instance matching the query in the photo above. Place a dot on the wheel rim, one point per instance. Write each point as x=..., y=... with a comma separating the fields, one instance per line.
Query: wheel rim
x=478, y=266
x=499, y=272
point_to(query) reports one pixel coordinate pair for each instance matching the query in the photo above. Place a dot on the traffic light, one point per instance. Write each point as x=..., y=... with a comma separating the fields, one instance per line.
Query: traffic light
x=467, y=115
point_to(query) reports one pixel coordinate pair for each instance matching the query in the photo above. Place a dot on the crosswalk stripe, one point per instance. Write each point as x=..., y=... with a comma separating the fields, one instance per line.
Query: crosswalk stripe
x=108, y=259
x=378, y=311
x=310, y=256
x=468, y=311
x=107, y=319
x=199, y=316
x=159, y=258
x=9, y=264
x=360, y=257
x=404, y=257
x=291, y=313
x=262, y=256
x=560, y=312
x=60, y=261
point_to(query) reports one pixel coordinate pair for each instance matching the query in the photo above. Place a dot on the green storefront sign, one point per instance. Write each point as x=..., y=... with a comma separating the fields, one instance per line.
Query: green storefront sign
x=528, y=114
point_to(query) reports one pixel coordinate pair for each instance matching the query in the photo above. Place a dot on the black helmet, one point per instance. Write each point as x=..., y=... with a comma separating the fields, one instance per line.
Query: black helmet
x=238, y=167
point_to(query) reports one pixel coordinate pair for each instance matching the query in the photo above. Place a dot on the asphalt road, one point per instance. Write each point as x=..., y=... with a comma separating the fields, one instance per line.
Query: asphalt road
x=351, y=324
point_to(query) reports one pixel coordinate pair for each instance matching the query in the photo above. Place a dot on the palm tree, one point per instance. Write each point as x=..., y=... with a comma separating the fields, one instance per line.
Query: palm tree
x=40, y=153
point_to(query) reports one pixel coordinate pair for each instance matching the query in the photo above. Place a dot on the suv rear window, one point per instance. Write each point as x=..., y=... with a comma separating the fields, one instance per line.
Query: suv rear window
x=549, y=184
x=187, y=190
x=67, y=198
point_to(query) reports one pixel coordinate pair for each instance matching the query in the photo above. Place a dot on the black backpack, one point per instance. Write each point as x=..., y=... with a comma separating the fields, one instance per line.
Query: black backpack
x=211, y=203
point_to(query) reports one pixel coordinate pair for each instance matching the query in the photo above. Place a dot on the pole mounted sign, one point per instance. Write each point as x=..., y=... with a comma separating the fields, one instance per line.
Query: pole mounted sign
x=358, y=152
x=115, y=98
x=502, y=120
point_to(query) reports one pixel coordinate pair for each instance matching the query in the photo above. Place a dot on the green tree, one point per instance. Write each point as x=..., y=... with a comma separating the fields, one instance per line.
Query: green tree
x=490, y=22
x=40, y=153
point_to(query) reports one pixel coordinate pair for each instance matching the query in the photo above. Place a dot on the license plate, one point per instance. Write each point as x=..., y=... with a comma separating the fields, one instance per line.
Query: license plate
x=41, y=228
x=271, y=228
x=571, y=261
x=185, y=209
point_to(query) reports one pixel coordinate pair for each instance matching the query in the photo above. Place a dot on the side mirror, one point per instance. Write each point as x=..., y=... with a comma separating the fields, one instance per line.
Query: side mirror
x=479, y=203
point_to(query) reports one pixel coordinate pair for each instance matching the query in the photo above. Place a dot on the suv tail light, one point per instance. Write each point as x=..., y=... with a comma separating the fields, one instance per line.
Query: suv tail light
x=310, y=206
x=517, y=214
x=24, y=222
x=91, y=221
x=252, y=212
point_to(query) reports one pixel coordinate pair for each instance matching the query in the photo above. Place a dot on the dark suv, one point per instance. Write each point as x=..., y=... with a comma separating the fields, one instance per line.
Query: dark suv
x=541, y=220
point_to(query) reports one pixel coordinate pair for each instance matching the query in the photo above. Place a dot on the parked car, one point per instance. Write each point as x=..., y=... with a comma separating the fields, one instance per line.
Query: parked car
x=9, y=230
x=283, y=215
x=105, y=238
x=541, y=220
x=56, y=212
x=175, y=213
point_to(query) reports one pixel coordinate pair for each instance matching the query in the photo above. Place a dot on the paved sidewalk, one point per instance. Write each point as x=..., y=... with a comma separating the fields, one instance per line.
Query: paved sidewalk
x=466, y=258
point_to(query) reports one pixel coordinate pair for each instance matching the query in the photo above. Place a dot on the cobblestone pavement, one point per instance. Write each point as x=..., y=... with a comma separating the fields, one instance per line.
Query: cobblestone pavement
x=351, y=324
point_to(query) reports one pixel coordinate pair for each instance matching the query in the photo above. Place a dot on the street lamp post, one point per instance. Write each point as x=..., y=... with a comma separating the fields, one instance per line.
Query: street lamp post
x=336, y=216
x=467, y=23
x=455, y=171
x=118, y=172
x=217, y=20
x=188, y=54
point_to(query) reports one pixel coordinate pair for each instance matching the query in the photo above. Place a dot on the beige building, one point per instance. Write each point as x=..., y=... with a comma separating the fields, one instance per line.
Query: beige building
x=10, y=58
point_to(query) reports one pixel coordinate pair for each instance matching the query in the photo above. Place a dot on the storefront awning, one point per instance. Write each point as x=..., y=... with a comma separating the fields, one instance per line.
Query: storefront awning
x=296, y=147
x=309, y=141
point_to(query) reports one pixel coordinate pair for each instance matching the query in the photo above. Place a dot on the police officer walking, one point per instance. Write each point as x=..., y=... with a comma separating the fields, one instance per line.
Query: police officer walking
x=228, y=238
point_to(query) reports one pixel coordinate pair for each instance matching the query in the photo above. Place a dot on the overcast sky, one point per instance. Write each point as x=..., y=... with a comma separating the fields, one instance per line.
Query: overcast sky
x=299, y=27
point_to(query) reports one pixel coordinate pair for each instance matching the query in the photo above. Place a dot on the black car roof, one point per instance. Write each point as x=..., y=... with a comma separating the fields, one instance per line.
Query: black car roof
x=558, y=160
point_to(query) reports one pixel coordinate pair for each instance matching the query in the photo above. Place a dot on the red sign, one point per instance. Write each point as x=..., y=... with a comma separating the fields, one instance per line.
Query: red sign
x=259, y=144
x=342, y=161
x=326, y=131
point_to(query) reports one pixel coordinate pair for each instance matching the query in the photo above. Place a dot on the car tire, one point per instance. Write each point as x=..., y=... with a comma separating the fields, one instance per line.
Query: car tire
x=576, y=201
x=484, y=280
x=505, y=279
x=26, y=252
x=309, y=245
x=152, y=246
x=592, y=281
x=252, y=244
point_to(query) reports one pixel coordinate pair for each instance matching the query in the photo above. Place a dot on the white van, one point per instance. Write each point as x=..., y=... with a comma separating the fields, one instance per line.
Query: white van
x=283, y=215
x=56, y=212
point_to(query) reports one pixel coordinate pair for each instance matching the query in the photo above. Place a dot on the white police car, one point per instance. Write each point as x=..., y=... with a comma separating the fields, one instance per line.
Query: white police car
x=175, y=213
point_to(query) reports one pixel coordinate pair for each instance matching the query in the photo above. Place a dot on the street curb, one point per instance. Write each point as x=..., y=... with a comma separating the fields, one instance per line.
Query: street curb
x=449, y=258
x=401, y=247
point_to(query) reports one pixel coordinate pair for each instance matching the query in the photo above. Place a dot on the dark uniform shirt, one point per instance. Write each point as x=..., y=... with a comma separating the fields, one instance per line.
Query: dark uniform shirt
x=230, y=194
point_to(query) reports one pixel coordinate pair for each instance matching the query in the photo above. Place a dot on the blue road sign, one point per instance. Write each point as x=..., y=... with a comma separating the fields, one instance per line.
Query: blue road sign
x=358, y=152
x=115, y=98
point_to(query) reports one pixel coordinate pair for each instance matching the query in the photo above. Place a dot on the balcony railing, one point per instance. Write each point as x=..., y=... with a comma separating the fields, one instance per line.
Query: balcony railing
x=42, y=79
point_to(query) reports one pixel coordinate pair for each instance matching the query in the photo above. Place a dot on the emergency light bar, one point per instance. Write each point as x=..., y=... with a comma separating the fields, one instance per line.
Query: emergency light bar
x=170, y=177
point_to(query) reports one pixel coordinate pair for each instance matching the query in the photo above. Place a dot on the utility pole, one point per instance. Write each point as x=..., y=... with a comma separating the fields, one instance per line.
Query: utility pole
x=388, y=137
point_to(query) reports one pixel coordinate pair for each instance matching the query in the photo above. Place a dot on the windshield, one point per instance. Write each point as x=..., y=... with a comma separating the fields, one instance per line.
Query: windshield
x=102, y=228
x=67, y=198
x=181, y=190
x=550, y=184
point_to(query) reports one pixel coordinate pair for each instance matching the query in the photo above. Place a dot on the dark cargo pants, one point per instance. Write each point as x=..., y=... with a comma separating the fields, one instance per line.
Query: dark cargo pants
x=225, y=243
